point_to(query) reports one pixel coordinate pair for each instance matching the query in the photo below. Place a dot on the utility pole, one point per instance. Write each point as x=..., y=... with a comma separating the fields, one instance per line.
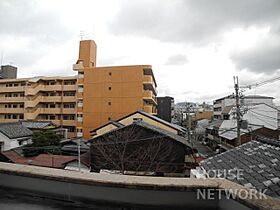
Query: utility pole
x=189, y=124
x=79, y=154
x=238, y=118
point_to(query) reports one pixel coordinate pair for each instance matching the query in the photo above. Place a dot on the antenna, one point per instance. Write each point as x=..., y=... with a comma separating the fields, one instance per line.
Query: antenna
x=2, y=56
x=83, y=35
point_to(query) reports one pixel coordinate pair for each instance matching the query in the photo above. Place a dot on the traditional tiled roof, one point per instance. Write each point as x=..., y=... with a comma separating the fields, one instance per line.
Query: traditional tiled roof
x=156, y=129
x=52, y=161
x=36, y=124
x=14, y=130
x=157, y=119
x=259, y=161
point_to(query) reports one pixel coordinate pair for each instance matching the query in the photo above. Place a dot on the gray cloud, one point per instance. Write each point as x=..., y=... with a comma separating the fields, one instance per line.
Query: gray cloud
x=178, y=59
x=38, y=30
x=27, y=19
x=262, y=58
x=201, y=22
x=189, y=21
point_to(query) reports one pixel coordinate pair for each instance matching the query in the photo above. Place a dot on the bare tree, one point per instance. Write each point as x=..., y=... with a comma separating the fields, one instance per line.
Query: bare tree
x=135, y=149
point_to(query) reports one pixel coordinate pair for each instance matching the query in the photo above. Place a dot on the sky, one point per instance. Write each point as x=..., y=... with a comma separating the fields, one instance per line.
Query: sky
x=194, y=46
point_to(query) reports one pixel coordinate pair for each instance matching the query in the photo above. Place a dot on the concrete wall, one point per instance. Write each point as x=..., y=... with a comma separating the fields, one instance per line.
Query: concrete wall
x=131, y=190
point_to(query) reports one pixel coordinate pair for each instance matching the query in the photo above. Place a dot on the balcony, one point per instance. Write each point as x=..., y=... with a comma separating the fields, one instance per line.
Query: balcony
x=12, y=110
x=12, y=89
x=11, y=99
x=148, y=80
x=150, y=109
x=78, y=67
x=52, y=98
x=69, y=111
x=69, y=99
x=69, y=87
x=69, y=122
x=149, y=95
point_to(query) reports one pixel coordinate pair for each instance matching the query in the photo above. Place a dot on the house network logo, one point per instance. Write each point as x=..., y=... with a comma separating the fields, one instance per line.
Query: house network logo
x=233, y=174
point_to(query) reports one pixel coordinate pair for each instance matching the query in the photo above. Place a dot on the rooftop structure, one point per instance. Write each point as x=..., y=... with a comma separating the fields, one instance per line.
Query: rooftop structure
x=259, y=161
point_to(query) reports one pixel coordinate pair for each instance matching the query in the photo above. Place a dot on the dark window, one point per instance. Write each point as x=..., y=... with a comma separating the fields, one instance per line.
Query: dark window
x=109, y=103
x=110, y=73
x=109, y=88
x=109, y=118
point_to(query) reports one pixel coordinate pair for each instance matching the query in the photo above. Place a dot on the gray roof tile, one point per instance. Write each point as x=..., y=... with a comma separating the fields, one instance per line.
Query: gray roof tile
x=14, y=130
x=261, y=169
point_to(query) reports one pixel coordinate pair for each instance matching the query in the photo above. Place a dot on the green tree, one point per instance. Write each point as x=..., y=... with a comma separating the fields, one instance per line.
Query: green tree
x=42, y=142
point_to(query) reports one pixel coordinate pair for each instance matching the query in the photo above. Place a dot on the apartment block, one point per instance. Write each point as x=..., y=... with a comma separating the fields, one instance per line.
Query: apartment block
x=40, y=98
x=165, y=108
x=223, y=105
x=111, y=92
x=8, y=72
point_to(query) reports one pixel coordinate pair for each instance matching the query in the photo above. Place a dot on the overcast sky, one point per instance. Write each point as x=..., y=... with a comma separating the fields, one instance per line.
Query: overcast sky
x=194, y=46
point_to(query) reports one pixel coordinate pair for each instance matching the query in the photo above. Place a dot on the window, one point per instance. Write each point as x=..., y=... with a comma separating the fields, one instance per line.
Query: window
x=21, y=116
x=80, y=103
x=21, y=106
x=80, y=88
x=15, y=85
x=109, y=118
x=14, y=116
x=52, y=94
x=67, y=106
x=69, y=82
x=109, y=88
x=52, y=117
x=81, y=75
x=69, y=93
x=110, y=73
x=14, y=105
x=109, y=103
x=52, y=105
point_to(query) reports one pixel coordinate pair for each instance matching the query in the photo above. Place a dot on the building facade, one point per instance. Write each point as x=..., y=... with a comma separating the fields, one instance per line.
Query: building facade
x=79, y=103
x=40, y=98
x=8, y=72
x=221, y=105
x=165, y=108
x=109, y=93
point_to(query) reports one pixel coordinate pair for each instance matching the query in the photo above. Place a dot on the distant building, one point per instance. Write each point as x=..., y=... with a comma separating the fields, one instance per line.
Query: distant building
x=40, y=99
x=8, y=72
x=165, y=108
x=259, y=119
x=13, y=135
x=222, y=105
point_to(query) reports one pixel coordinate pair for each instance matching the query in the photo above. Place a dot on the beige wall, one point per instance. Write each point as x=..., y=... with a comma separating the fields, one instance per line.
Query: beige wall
x=150, y=121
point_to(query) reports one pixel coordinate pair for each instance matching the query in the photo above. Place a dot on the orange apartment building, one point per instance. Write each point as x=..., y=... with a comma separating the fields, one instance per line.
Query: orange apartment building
x=40, y=98
x=109, y=93
x=84, y=102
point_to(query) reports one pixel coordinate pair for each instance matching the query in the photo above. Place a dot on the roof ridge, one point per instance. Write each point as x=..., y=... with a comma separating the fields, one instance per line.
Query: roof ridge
x=266, y=140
